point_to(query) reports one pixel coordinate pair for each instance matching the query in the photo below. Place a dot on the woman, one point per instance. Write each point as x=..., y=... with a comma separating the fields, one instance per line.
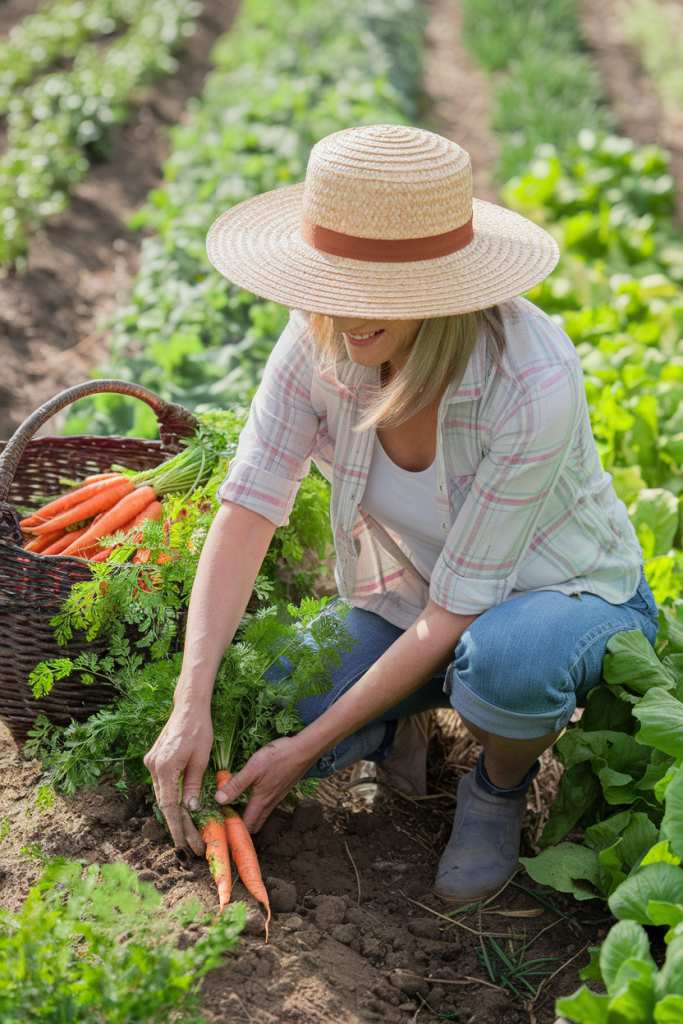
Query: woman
x=484, y=551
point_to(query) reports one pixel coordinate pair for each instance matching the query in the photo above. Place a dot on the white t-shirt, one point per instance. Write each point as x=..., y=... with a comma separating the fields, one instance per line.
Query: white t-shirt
x=405, y=502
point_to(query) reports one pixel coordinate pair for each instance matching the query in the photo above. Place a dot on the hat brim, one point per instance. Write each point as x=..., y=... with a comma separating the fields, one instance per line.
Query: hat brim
x=258, y=246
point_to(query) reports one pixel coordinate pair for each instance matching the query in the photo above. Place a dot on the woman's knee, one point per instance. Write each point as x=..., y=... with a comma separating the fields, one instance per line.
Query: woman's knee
x=506, y=674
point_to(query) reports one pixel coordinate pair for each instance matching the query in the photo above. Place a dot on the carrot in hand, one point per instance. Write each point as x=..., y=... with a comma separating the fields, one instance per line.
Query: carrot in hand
x=216, y=840
x=85, y=509
x=67, y=501
x=130, y=503
x=242, y=849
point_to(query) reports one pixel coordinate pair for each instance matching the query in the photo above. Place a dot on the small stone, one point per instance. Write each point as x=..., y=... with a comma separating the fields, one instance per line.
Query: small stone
x=154, y=831
x=293, y=924
x=148, y=876
x=329, y=912
x=345, y=933
x=282, y=895
x=408, y=983
x=255, y=923
x=425, y=928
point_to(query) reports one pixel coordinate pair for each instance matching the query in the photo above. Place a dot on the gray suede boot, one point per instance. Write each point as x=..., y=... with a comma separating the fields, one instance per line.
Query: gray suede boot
x=483, y=851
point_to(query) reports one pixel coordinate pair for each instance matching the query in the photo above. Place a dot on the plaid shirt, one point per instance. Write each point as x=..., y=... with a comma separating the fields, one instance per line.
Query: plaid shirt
x=522, y=497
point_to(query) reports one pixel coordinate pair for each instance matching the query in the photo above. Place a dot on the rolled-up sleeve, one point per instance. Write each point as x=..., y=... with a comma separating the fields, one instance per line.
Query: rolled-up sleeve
x=509, y=506
x=274, y=450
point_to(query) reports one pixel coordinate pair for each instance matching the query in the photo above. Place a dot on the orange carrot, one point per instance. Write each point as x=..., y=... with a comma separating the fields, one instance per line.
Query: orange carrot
x=67, y=501
x=244, y=856
x=102, y=555
x=153, y=511
x=68, y=537
x=242, y=850
x=218, y=857
x=44, y=542
x=131, y=502
x=104, y=499
x=98, y=476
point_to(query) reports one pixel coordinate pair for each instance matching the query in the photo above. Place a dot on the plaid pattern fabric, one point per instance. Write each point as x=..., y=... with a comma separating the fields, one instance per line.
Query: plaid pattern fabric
x=521, y=494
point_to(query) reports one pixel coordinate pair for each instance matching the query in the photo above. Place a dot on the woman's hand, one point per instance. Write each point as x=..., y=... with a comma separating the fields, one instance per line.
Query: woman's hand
x=183, y=746
x=271, y=772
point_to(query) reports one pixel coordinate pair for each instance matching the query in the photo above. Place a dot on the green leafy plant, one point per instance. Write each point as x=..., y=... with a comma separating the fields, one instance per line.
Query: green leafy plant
x=59, y=118
x=636, y=989
x=248, y=709
x=92, y=944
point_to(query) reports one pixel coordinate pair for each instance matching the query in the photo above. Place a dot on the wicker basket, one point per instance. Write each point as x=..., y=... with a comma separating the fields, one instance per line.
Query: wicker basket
x=33, y=587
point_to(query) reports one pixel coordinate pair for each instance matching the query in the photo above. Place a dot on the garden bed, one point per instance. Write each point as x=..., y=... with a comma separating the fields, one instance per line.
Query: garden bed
x=339, y=941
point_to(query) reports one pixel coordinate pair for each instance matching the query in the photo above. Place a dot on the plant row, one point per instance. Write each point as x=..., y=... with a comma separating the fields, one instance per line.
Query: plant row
x=59, y=119
x=289, y=73
x=617, y=292
x=93, y=944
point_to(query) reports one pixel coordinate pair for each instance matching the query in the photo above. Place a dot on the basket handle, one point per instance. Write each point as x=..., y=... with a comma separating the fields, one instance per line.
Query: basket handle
x=174, y=421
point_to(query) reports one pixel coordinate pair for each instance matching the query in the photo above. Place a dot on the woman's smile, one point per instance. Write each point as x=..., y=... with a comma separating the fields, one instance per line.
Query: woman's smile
x=363, y=339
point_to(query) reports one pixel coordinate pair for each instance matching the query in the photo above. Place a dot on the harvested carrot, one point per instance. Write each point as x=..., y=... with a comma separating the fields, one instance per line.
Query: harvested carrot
x=130, y=503
x=242, y=850
x=68, y=537
x=104, y=499
x=98, y=476
x=244, y=856
x=41, y=544
x=216, y=840
x=102, y=556
x=153, y=511
x=67, y=501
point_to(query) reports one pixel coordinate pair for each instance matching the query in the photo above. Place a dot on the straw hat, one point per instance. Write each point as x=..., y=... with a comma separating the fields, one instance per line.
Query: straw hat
x=384, y=226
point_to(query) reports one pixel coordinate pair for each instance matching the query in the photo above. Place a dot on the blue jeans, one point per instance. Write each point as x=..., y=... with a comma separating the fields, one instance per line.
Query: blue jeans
x=519, y=670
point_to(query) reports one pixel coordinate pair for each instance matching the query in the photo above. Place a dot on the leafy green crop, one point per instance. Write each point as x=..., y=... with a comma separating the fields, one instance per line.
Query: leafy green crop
x=288, y=73
x=92, y=945
x=636, y=990
x=545, y=88
x=58, y=118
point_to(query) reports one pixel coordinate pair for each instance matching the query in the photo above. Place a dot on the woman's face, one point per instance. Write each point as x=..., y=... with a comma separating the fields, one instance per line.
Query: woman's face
x=373, y=342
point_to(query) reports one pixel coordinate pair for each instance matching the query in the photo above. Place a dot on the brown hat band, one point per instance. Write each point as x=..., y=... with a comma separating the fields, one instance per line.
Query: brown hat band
x=385, y=250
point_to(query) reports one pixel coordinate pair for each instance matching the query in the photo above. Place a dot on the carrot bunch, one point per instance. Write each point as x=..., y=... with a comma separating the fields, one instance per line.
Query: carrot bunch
x=111, y=502
x=231, y=837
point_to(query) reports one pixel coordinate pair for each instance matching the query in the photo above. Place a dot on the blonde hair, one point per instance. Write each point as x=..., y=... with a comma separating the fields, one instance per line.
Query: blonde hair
x=438, y=357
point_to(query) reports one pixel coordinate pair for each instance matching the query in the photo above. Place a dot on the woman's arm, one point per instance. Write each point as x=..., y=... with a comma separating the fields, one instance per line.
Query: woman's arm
x=230, y=561
x=415, y=658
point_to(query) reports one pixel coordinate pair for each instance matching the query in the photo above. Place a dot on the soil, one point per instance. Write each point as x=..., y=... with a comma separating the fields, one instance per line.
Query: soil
x=356, y=934
x=80, y=264
x=633, y=97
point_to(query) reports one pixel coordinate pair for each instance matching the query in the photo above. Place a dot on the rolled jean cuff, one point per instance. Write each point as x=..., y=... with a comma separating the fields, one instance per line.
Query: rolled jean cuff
x=500, y=721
